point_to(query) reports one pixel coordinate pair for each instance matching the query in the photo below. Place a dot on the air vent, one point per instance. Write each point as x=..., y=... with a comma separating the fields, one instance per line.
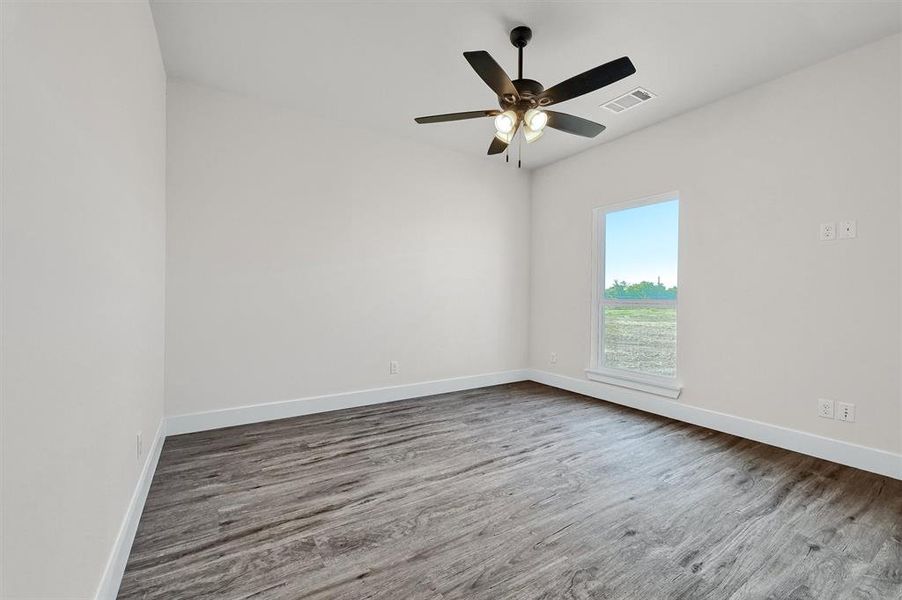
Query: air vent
x=629, y=100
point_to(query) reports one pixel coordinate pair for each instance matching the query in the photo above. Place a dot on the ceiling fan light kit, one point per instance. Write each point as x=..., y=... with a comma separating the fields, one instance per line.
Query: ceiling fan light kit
x=506, y=121
x=535, y=119
x=523, y=101
x=505, y=136
x=532, y=135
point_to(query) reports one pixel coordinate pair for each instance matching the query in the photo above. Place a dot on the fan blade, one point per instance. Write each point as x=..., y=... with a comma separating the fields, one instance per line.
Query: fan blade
x=492, y=73
x=474, y=114
x=497, y=146
x=574, y=125
x=589, y=81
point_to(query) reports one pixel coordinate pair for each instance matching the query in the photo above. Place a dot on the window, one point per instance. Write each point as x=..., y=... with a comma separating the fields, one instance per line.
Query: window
x=635, y=296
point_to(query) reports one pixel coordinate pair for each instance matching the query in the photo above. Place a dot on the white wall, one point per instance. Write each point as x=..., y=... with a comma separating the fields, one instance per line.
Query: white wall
x=770, y=317
x=83, y=256
x=303, y=256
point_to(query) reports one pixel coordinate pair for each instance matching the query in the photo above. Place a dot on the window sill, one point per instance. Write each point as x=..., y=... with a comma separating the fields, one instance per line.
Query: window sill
x=660, y=386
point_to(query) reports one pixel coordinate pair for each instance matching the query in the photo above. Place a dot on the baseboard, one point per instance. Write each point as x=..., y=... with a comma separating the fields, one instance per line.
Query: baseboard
x=853, y=455
x=244, y=415
x=115, y=566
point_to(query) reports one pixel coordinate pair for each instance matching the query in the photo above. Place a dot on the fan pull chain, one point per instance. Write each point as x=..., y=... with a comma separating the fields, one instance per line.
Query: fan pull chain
x=519, y=153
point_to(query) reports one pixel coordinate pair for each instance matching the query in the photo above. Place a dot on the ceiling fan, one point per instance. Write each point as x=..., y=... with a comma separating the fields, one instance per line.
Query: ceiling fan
x=523, y=101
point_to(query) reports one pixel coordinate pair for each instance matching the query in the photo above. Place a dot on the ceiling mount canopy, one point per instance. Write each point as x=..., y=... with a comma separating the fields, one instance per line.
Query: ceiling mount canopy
x=522, y=102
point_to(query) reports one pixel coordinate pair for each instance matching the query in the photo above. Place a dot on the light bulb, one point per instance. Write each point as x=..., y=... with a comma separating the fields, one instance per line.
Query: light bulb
x=504, y=123
x=531, y=135
x=536, y=119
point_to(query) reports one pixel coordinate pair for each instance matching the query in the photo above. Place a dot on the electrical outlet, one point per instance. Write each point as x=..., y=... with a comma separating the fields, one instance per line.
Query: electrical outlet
x=139, y=446
x=847, y=230
x=825, y=408
x=553, y=358
x=845, y=412
x=828, y=231
x=393, y=367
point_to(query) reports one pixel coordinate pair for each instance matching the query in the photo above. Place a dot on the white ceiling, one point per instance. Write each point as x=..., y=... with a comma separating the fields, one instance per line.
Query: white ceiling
x=379, y=64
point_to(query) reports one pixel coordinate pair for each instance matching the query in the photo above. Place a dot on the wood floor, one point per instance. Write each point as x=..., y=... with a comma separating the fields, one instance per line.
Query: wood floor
x=512, y=492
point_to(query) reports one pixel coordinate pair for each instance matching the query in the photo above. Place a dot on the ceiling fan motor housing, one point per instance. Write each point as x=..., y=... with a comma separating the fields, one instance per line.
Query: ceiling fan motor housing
x=529, y=90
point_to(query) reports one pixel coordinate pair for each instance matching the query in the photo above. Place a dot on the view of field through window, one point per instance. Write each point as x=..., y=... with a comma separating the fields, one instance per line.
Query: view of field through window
x=639, y=314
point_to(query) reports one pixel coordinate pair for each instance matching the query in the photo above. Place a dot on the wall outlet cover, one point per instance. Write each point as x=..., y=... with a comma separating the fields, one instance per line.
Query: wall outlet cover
x=828, y=231
x=825, y=408
x=393, y=367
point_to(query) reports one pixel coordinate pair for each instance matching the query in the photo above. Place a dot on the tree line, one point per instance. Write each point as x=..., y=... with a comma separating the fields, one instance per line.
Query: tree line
x=644, y=290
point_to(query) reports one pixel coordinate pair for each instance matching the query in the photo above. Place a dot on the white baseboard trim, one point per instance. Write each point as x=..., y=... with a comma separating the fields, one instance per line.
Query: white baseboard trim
x=115, y=566
x=853, y=455
x=256, y=413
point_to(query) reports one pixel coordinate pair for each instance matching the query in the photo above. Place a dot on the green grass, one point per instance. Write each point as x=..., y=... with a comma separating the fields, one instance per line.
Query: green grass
x=640, y=339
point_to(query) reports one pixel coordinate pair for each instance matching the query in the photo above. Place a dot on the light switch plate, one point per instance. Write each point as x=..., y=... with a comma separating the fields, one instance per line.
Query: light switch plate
x=845, y=411
x=847, y=230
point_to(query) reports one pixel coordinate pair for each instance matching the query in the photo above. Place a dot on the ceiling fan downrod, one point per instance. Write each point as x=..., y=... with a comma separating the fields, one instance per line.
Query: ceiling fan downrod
x=520, y=36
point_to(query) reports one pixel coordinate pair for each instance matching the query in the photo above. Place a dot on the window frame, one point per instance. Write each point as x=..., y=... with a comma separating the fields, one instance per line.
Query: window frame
x=660, y=385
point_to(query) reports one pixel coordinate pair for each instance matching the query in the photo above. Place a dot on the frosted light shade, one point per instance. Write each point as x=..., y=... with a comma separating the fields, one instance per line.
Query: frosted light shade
x=531, y=135
x=505, y=122
x=536, y=119
x=507, y=138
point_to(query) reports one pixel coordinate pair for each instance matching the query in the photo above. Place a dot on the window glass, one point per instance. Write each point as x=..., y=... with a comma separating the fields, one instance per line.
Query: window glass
x=638, y=308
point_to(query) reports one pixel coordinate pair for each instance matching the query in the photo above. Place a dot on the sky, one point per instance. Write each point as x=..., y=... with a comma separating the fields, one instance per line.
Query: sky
x=641, y=244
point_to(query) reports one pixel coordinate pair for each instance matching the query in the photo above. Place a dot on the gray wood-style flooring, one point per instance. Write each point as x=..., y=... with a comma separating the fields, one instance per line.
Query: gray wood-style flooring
x=511, y=492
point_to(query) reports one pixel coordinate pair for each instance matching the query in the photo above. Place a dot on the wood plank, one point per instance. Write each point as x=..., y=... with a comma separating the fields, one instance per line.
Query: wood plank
x=514, y=491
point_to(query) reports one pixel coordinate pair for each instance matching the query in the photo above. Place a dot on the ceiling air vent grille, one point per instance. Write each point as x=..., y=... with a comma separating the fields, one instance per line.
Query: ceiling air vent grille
x=629, y=100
